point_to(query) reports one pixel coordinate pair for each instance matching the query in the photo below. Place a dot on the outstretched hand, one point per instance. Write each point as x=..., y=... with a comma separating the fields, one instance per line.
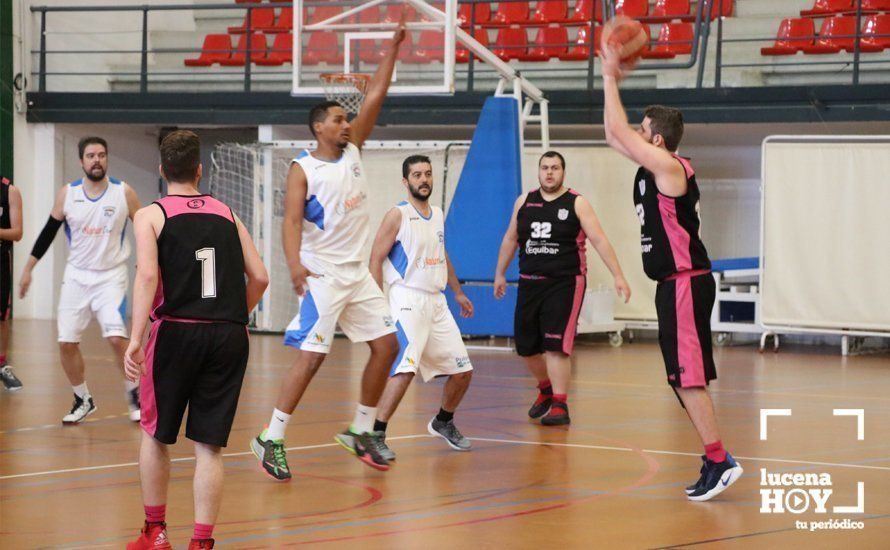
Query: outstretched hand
x=402, y=30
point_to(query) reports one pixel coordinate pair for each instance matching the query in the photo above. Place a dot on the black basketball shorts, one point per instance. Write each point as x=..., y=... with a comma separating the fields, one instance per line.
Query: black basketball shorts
x=546, y=317
x=684, y=305
x=198, y=365
x=5, y=282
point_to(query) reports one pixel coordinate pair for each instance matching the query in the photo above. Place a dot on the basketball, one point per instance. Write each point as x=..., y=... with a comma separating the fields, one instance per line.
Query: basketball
x=627, y=34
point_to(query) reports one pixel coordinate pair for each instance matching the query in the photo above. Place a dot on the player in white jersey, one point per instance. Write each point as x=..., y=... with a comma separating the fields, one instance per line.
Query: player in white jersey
x=324, y=233
x=409, y=252
x=94, y=210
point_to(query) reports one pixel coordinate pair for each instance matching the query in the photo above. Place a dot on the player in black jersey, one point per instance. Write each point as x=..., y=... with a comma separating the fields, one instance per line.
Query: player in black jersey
x=192, y=258
x=667, y=202
x=10, y=231
x=550, y=227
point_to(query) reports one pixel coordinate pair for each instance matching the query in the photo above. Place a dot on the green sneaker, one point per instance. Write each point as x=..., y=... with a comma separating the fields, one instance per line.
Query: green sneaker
x=271, y=455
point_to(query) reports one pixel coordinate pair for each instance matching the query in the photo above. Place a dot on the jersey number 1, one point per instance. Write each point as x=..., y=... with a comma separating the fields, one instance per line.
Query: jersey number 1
x=207, y=257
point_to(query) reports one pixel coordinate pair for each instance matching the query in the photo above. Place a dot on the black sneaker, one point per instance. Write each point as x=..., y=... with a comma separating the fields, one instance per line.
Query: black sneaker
x=365, y=447
x=80, y=409
x=10, y=382
x=540, y=406
x=272, y=456
x=558, y=415
x=717, y=477
x=691, y=488
x=449, y=432
x=383, y=449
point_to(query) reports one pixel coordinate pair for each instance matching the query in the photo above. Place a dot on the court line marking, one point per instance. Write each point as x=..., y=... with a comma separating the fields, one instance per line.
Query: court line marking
x=488, y=439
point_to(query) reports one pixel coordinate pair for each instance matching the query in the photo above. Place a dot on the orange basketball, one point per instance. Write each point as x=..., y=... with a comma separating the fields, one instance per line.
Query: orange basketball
x=626, y=34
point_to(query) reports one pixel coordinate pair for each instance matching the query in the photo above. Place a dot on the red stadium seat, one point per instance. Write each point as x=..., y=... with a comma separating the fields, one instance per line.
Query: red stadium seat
x=674, y=39
x=583, y=11
x=257, y=50
x=550, y=42
x=323, y=13
x=483, y=14
x=668, y=10
x=827, y=7
x=581, y=50
x=322, y=48
x=793, y=35
x=462, y=55
x=716, y=11
x=285, y=20
x=281, y=52
x=430, y=47
x=370, y=51
x=511, y=13
x=875, y=5
x=370, y=15
x=216, y=48
x=394, y=12
x=875, y=25
x=511, y=43
x=835, y=34
x=551, y=11
x=262, y=20
x=632, y=8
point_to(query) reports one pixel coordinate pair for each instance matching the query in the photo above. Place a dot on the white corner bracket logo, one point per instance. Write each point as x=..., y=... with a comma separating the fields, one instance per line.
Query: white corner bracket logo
x=799, y=492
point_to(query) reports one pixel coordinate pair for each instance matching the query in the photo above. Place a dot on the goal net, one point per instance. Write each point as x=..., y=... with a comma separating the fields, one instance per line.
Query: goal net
x=252, y=180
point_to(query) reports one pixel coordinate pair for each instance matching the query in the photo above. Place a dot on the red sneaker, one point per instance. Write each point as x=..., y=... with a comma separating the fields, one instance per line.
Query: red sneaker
x=558, y=415
x=196, y=544
x=153, y=537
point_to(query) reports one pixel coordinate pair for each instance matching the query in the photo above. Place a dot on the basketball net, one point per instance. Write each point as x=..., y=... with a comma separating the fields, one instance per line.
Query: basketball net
x=348, y=89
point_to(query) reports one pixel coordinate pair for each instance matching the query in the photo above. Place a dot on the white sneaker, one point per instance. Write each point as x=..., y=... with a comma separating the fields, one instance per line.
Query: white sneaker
x=133, y=404
x=80, y=409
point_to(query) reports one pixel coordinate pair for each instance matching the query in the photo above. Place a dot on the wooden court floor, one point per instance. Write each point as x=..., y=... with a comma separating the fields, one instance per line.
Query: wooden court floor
x=614, y=479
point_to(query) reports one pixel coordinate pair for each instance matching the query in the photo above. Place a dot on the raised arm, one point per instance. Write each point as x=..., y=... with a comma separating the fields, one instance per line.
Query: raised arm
x=44, y=240
x=146, y=225
x=14, y=233
x=257, y=276
x=292, y=226
x=597, y=237
x=364, y=122
x=509, y=244
x=133, y=204
x=383, y=243
x=669, y=175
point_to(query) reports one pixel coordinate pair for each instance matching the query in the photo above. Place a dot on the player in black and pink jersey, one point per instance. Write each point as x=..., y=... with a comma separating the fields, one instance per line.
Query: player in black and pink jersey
x=192, y=257
x=667, y=202
x=550, y=227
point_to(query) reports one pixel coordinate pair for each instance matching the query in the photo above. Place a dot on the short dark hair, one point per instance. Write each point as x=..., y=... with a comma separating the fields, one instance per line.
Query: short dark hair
x=320, y=112
x=553, y=155
x=181, y=156
x=411, y=161
x=666, y=122
x=90, y=140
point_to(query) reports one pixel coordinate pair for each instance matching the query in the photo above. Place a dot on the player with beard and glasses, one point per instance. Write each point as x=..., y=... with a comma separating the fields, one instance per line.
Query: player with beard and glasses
x=549, y=227
x=666, y=197
x=94, y=210
x=324, y=232
x=410, y=252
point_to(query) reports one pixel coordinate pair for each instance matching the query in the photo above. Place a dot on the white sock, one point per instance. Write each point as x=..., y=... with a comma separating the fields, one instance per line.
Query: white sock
x=130, y=386
x=364, y=419
x=81, y=391
x=277, y=425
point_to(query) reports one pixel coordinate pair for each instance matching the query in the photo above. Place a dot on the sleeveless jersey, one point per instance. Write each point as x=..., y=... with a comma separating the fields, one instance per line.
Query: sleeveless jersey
x=96, y=227
x=5, y=221
x=669, y=226
x=335, y=222
x=551, y=240
x=417, y=259
x=201, y=262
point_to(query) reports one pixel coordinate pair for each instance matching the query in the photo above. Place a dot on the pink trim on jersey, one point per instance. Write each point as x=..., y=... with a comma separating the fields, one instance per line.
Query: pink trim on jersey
x=171, y=319
x=692, y=367
x=677, y=236
x=582, y=251
x=687, y=274
x=5, y=181
x=175, y=205
x=147, y=400
x=568, y=340
x=532, y=277
x=687, y=167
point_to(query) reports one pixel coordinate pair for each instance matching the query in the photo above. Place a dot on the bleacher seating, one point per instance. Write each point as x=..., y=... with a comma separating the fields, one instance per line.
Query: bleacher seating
x=794, y=34
x=239, y=56
x=549, y=43
x=511, y=13
x=262, y=20
x=551, y=11
x=827, y=7
x=511, y=43
x=875, y=33
x=836, y=34
x=673, y=39
x=580, y=51
x=216, y=48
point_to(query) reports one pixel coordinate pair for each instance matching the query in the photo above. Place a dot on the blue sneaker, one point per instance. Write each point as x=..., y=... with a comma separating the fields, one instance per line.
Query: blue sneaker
x=716, y=478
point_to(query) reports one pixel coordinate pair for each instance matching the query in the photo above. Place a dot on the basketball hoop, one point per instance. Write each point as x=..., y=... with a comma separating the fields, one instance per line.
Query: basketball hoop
x=348, y=89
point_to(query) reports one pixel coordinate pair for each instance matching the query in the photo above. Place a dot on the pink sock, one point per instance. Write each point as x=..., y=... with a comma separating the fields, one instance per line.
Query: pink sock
x=156, y=514
x=2, y=359
x=715, y=452
x=560, y=397
x=203, y=531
